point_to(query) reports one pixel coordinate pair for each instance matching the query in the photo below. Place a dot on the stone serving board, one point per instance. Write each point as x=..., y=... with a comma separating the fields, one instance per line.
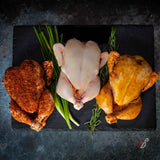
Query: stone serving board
x=133, y=40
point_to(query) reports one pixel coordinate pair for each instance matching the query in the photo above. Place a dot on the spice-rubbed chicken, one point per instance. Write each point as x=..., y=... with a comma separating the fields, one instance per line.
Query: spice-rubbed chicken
x=31, y=102
x=80, y=63
x=128, y=77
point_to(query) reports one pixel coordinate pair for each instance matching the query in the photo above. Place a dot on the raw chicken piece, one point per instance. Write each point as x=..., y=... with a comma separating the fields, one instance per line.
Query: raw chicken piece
x=128, y=77
x=31, y=102
x=80, y=63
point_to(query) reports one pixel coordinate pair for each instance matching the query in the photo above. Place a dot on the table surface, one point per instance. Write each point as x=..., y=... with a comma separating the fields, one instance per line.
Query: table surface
x=49, y=144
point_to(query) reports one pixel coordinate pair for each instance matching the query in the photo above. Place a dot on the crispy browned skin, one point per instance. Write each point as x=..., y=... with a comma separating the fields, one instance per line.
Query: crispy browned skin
x=31, y=102
x=112, y=57
x=105, y=99
x=128, y=77
x=154, y=77
x=20, y=115
x=38, y=120
x=11, y=80
x=48, y=68
x=25, y=84
x=130, y=111
x=46, y=107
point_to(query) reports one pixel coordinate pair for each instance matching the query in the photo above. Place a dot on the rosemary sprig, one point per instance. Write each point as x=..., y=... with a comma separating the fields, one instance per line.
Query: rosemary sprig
x=113, y=43
x=94, y=122
x=104, y=76
x=103, y=73
x=47, y=53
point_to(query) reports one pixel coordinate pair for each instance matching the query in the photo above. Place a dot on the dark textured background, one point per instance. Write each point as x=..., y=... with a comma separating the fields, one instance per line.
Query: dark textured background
x=48, y=144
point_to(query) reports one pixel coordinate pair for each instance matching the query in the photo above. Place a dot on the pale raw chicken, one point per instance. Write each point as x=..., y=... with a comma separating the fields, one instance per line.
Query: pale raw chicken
x=80, y=63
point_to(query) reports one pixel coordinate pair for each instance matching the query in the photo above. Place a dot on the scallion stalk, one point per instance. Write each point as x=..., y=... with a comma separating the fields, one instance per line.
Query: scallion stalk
x=47, y=53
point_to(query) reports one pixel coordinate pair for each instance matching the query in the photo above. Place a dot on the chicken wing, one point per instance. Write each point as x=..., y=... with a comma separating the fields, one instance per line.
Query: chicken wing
x=48, y=68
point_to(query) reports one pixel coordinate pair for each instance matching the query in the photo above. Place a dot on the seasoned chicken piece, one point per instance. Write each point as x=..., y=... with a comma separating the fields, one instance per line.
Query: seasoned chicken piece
x=48, y=68
x=19, y=114
x=80, y=63
x=25, y=84
x=31, y=102
x=128, y=77
x=46, y=107
x=105, y=99
x=37, y=120
x=128, y=112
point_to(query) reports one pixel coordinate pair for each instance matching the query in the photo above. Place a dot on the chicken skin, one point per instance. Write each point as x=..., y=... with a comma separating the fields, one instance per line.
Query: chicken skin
x=48, y=68
x=31, y=102
x=128, y=77
x=25, y=84
x=80, y=63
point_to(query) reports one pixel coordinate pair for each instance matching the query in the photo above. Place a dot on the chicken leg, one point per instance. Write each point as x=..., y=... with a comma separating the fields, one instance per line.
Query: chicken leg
x=46, y=107
x=105, y=99
x=20, y=115
x=65, y=90
x=37, y=120
x=92, y=90
x=131, y=111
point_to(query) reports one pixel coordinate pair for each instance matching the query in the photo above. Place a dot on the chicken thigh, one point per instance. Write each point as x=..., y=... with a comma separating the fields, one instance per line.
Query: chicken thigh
x=80, y=63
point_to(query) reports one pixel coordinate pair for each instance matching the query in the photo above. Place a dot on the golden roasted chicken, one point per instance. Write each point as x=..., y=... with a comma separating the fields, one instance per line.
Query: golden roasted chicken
x=31, y=102
x=128, y=77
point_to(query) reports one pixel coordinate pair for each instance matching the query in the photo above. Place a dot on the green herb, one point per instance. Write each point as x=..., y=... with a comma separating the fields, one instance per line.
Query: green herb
x=104, y=76
x=113, y=43
x=47, y=53
x=94, y=122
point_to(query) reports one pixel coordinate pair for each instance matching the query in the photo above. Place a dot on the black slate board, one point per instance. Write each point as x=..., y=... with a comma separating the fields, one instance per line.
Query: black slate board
x=133, y=40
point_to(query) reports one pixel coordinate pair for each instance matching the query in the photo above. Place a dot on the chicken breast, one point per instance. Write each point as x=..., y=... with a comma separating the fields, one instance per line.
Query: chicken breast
x=25, y=84
x=128, y=78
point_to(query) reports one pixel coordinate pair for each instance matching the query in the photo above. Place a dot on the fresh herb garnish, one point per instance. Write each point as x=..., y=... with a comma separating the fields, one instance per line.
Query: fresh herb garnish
x=48, y=54
x=104, y=76
x=94, y=122
x=113, y=43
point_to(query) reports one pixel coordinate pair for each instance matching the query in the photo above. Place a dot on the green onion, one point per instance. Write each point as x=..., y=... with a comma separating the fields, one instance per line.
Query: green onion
x=47, y=53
